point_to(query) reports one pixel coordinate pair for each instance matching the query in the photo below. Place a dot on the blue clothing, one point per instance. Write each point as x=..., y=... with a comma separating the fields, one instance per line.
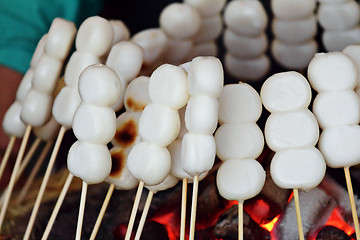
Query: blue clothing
x=24, y=22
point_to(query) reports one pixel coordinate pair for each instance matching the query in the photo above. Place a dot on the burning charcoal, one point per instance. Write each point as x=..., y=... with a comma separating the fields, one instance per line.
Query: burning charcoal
x=331, y=233
x=272, y=200
x=154, y=231
x=210, y=203
x=227, y=226
x=316, y=207
x=340, y=194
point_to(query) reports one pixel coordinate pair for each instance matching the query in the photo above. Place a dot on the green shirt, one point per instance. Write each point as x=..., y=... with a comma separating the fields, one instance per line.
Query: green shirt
x=24, y=22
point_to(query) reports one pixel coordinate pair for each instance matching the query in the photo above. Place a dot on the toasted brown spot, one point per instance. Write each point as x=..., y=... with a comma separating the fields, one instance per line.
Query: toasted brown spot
x=118, y=162
x=135, y=106
x=126, y=134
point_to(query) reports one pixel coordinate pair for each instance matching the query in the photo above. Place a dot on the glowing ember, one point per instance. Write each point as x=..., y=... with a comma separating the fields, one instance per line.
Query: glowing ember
x=270, y=225
x=337, y=220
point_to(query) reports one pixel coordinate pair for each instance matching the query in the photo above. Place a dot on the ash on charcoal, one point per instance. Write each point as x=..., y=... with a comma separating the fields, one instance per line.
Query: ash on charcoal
x=316, y=207
x=332, y=233
x=227, y=226
x=340, y=194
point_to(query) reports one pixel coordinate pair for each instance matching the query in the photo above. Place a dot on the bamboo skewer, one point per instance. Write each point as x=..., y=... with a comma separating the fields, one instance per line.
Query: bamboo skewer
x=14, y=174
x=134, y=210
x=81, y=211
x=102, y=212
x=44, y=183
x=144, y=215
x=33, y=173
x=57, y=206
x=298, y=213
x=23, y=164
x=28, y=156
x=241, y=220
x=193, y=208
x=183, y=209
x=7, y=155
x=352, y=202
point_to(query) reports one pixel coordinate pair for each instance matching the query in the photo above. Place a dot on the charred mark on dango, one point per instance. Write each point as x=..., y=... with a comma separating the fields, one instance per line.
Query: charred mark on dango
x=126, y=134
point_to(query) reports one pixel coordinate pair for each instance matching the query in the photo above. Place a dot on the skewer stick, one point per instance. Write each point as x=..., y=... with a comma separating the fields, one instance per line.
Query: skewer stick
x=241, y=220
x=144, y=215
x=134, y=210
x=23, y=164
x=298, y=213
x=14, y=174
x=102, y=212
x=57, y=207
x=28, y=156
x=193, y=208
x=183, y=208
x=44, y=183
x=352, y=202
x=33, y=173
x=81, y=211
x=7, y=155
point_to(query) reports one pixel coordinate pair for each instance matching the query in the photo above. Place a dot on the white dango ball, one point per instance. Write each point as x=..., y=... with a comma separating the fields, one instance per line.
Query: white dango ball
x=246, y=17
x=332, y=72
x=12, y=123
x=46, y=74
x=333, y=41
x=295, y=31
x=210, y=29
x=77, y=63
x=168, y=182
x=60, y=38
x=125, y=58
x=207, y=7
x=176, y=164
x=294, y=56
x=121, y=32
x=95, y=36
x=337, y=108
x=339, y=16
x=206, y=77
x=168, y=86
x=243, y=46
x=120, y=175
x=127, y=130
x=291, y=129
x=239, y=141
x=36, y=110
x=202, y=114
x=25, y=86
x=94, y=124
x=180, y=20
x=49, y=131
x=99, y=85
x=208, y=48
x=302, y=168
x=153, y=41
x=89, y=161
x=65, y=105
x=286, y=91
x=198, y=153
x=159, y=124
x=137, y=94
x=292, y=9
x=39, y=51
x=177, y=50
x=149, y=163
x=240, y=179
x=247, y=69
x=341, y=146
x=239, y=103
